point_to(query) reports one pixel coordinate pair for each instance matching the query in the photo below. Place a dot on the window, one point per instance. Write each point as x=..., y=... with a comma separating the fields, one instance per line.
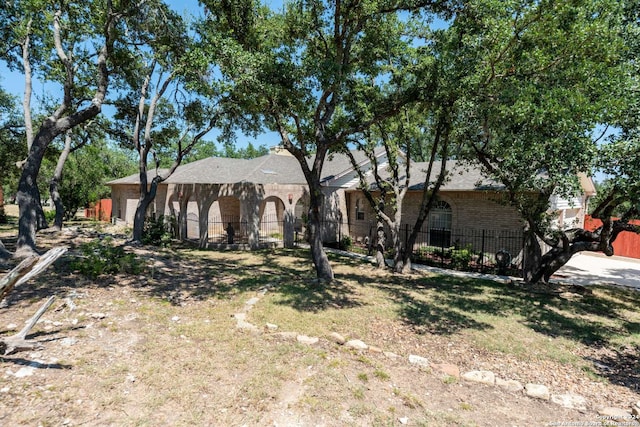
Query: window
x=440, y=224
x=359, y=210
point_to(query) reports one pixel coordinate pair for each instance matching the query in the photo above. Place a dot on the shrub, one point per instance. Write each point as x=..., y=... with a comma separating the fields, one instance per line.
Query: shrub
x=50, y=215
x=157, y=231
x=100, y=256
x=461, y=258
x=346, y=243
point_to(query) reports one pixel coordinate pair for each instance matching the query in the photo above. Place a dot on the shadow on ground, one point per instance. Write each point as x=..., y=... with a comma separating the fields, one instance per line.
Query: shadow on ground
x=428, y=304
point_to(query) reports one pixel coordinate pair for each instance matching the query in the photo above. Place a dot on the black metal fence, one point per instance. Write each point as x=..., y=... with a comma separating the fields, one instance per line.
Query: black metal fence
x=233, y=229
x=490, y=251
x=467, y=249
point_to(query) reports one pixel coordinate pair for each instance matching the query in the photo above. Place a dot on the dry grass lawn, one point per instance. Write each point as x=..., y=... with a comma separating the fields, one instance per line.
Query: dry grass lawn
x=162, y=347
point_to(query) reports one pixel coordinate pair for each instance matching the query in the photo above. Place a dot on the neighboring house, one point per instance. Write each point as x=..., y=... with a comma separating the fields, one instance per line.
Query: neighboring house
x=264, y=200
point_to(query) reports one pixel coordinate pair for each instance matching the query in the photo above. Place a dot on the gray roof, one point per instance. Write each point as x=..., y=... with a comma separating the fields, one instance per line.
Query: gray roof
x=135, y=178
x=268, y=169
x=460, y=177
x=284, y=169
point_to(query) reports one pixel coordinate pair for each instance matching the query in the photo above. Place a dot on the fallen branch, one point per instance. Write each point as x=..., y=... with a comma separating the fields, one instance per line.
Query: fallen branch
x=18, y=341
x=27, y=269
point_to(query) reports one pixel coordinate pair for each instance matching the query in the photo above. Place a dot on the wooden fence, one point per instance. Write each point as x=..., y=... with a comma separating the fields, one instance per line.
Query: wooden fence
x=627, y=244
x=101, y=211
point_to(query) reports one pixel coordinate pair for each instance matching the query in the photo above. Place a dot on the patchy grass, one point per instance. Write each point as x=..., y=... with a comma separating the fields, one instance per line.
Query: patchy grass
x=165, y=349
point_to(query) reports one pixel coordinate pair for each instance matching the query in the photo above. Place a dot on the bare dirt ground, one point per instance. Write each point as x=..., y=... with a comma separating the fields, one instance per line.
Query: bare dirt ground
x=163, y=348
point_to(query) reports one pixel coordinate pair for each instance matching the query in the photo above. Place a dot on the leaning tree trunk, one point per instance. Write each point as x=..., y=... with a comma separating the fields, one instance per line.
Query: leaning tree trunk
x=532, y=257
x=28, y=268
x=55, y=181
x=28, y=197
x=146, y=197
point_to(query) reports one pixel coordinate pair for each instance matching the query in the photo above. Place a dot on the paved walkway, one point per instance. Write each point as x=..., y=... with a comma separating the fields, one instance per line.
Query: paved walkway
x=585, y=268
x=589, y=268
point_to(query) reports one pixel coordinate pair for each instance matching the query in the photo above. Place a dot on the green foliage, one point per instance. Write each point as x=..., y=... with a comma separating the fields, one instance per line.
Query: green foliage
x=527, y=111
x=101, y=256
x=157, y=231
x=49, y=215
x=85, y=173
x=461, y=258
x=346, y=243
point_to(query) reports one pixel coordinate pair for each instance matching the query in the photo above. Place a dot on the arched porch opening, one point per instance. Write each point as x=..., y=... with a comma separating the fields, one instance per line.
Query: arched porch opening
x=193, y=222
x=225, y=212
x=271, y=223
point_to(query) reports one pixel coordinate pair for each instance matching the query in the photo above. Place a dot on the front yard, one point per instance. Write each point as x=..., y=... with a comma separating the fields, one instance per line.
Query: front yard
x=167, y=345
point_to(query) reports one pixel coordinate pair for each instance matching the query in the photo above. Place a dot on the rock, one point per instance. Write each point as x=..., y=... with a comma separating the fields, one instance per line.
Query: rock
x=288, y=335
x=27, y=371
x=483, y=377
x=419, y=360
x=510, y=385
x=403, y=420
x=68, y=342
x=374, y=349
x=635, y=410
x=617, y=416
x=537, y=391
x=303, y=339
x=337, y=338
x=614, y=413
x=102, y=316
x=447, y=369
x=271, y=327
x=357, y=344
x=391, y=355
x=241, y=324
x=572, y=401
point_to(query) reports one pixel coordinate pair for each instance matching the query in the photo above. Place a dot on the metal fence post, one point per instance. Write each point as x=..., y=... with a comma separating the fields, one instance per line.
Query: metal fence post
x=482, y=252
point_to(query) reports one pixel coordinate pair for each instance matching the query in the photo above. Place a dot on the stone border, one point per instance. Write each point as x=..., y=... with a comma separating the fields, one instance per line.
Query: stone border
x=446, y=370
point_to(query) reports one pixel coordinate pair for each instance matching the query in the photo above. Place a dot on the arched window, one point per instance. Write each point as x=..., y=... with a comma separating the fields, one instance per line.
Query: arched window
x=359, y=210
x=440, y=224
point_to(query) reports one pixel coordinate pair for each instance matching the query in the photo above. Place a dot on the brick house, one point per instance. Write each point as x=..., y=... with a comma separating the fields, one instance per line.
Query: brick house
x=264, y=201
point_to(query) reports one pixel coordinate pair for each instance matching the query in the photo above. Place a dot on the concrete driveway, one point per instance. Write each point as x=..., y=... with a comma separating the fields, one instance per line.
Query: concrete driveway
x=590, y=268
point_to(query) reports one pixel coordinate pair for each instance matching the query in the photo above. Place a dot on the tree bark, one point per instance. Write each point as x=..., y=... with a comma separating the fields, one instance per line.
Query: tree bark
x=318, y=254
x=55, y=180
x=532, y=257
x=3, y=214
x=146, y=197
x=28, y=197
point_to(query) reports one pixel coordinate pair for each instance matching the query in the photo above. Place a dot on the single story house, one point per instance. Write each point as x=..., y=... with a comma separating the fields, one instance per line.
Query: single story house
x=264, y=200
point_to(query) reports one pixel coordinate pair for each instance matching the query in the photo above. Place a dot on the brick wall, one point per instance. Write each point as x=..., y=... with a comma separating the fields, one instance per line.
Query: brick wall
x=476, y=210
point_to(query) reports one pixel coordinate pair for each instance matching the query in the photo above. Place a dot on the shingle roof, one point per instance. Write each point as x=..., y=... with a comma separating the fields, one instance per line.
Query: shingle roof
x=268, y=169
x=135, y=178
x=284, y=169
x=461, y=177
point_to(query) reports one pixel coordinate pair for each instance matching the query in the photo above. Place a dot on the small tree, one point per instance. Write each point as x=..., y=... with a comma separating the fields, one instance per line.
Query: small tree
x=401, y=137
x=163, y=66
